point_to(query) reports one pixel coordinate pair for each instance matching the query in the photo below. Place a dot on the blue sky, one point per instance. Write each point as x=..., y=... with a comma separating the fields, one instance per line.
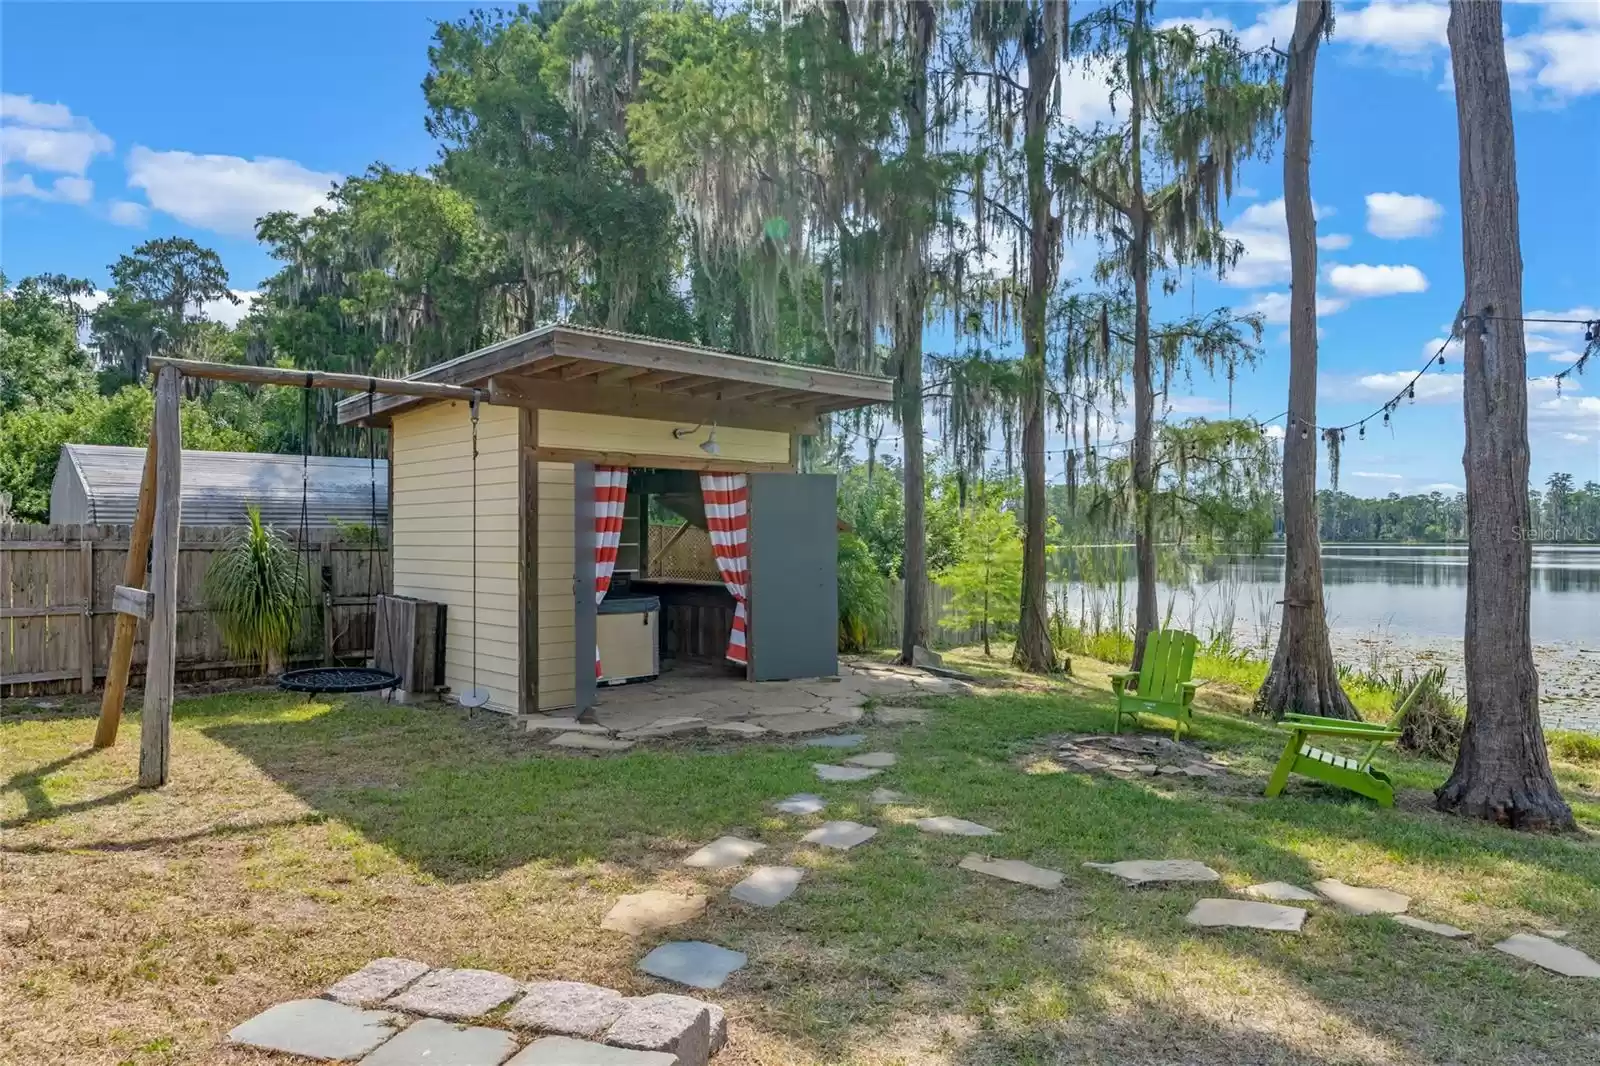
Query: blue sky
x=129, y=121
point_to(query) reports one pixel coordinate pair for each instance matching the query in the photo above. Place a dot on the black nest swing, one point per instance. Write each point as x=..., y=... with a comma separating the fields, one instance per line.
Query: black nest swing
x=316, y=680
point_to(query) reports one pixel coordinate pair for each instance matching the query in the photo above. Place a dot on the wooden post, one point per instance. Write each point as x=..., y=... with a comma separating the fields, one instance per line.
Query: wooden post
x=155, y=727
x=325, y=582
x=86, y=619
x=133, y=575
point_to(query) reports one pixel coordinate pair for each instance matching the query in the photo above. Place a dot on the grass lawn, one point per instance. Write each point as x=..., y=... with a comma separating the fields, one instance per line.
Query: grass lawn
x=299, y=840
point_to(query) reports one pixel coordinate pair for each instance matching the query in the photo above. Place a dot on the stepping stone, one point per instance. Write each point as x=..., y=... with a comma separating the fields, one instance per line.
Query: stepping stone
x=955, y=827
x=445, y=1044
x=538, y=723
x=565, y=1051
x=590, y=742
x=1281, y=891
x=570, y=1008
x=456, y=994
x=1246, y=914
x=1195, y=769
x=844, y=773
x=1358, y=900
x=1555, y=957
x=798, y=721
x=838, y=740
x=842, y=714
x=1146, y=768
x=801, y=803
x=840, y=835
x=742, y=729
x=1554, y=934
x=692, y=963
x=1014, y=870
x=652, y=909
x=375, y=982
x=1152, y=871
x=884, y=796
x=768, y=886
x=317, y=1029
x=900, y=715
x=723, y=853
x=670, y=1024
x=876, y=759
x=666, y=727
x=1439, y=928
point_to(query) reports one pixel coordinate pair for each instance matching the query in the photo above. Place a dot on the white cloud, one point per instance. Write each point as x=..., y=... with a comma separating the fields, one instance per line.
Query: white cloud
x=225, y=193
x=47, y=136
x=1273, y=432
x=1558, y=342
x=27, y=111
x=1085, y=93
x=1334, y=242
x=65, y=190
x=1377, y=475
x=1273, y=307
x=1264, y=232
x=1275, y=24
x=1431, y=388
x=1575, y=438
x=1567, y=59
x=1443, y=486
x=1406, y=28
x=129, y=213
x=1396, y=216
x=1362, y=280
x=230, y=314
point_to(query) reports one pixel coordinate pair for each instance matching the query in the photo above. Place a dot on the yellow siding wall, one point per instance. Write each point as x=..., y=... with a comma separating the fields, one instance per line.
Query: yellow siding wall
x=433, y=537
x=557, y=547
x=643, y=436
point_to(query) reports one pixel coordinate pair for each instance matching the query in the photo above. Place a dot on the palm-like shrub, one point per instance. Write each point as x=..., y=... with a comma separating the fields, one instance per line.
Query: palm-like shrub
x=863, y=596
x=253, y=588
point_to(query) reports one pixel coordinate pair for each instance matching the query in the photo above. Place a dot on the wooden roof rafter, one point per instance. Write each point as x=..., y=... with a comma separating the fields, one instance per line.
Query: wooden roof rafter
x=624, y=365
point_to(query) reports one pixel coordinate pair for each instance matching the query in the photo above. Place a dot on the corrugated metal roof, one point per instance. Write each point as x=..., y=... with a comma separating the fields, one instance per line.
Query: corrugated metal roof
x=218, y=485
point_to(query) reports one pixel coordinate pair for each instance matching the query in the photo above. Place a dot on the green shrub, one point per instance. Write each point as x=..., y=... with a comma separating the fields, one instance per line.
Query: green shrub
x=863, y=596
x=254, y=589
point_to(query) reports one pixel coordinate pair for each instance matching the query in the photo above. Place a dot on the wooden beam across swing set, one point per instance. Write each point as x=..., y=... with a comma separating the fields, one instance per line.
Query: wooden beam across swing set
x=156, y=529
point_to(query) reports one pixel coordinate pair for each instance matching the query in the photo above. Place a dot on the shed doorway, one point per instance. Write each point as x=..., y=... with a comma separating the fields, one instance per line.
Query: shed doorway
x=667, y=568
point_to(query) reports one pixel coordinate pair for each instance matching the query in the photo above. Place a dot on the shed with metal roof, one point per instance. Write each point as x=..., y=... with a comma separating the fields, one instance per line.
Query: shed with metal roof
x=98, y=484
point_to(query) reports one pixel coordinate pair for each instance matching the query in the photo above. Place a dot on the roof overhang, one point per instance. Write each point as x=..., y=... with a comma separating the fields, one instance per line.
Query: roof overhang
x=574, y=368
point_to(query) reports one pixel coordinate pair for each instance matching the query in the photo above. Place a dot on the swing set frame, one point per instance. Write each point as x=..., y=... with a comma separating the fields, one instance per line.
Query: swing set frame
x=155, y=532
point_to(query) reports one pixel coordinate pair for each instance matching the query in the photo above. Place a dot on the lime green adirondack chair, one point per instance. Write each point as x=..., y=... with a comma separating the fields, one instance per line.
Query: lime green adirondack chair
x=1164, y=685
x=1354, y=773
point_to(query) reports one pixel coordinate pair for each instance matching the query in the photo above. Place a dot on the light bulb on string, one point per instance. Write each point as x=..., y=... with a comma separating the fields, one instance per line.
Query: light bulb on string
x=1363, y=434
x=1411, y=391
x=1304, y=432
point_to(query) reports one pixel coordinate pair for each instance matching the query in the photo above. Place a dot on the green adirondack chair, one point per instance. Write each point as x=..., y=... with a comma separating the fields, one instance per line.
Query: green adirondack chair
x=1164, y=685
x=1355, y=773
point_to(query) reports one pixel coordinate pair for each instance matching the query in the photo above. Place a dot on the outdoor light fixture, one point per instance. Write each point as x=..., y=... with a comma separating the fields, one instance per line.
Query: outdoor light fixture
x=710, y=445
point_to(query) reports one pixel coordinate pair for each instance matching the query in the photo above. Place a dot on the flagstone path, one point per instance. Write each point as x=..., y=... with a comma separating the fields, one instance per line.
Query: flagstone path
x=587, y=1025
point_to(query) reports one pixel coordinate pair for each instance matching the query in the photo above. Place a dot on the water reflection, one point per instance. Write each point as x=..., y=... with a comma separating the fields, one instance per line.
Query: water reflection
x=1415, y=590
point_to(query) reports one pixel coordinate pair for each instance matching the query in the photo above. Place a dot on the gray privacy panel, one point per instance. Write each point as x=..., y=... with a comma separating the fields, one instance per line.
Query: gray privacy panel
x=794, y=576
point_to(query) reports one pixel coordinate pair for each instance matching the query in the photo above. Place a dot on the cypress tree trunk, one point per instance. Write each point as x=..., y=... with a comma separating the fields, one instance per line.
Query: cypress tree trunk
x=908, y=352
x=1303, y=678
x=1034, y=650
x=1144, y=399
x=1502, y=771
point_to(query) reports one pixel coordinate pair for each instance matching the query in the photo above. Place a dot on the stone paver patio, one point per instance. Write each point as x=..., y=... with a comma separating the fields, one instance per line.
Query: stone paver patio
x=457, y=994
x=692, y=700
x=433, y=1041
x=317, y=1029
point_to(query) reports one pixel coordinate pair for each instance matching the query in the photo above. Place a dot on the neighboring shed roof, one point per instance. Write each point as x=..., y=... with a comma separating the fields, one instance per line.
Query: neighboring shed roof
x=99, y=485
x=558, y=358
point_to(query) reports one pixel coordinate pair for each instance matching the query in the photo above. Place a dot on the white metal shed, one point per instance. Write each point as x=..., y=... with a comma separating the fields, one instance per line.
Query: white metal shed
x=98, y=484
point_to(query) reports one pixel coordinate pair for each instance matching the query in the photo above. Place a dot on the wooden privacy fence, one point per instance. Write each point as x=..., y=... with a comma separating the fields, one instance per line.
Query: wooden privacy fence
x=940, y=633
x=56, y=616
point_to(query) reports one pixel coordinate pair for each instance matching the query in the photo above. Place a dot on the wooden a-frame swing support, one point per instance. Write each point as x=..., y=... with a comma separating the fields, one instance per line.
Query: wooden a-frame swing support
x=155, y=531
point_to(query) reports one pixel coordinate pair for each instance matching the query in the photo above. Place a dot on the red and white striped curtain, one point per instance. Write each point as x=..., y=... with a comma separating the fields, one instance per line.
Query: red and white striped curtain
x=610, y=497
x=727, y=499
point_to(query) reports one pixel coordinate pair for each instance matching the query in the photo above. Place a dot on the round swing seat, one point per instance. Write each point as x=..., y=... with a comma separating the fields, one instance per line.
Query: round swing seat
x=339, y=679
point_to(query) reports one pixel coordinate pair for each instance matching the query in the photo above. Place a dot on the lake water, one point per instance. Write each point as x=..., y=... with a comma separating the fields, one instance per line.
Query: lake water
x=1389, y=605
